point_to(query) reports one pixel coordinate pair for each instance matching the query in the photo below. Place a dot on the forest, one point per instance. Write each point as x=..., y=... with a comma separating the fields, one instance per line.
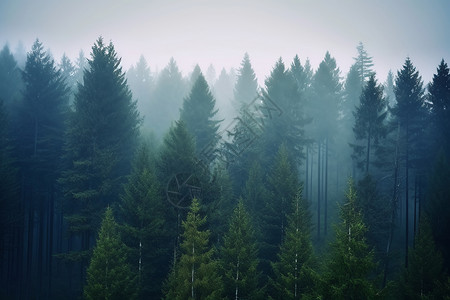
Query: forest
x=136, y=184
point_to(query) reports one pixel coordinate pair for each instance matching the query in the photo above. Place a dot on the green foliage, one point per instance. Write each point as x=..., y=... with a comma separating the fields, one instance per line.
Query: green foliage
x=144, y=225
x=195, y=275
x=239, y=257
x=198, y=112
x=294, y=272
x=109, y=276
x=424, y=278
x=101, y=139
x=369, y=127
x=350, y=261
x=11, y=82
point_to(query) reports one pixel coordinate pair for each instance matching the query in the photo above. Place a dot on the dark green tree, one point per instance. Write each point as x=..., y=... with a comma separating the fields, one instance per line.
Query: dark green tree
x=370, y=123
x=144, y=229
x=389, y=89
x=294, y=269
x=246, y=86
x=439, y=97
x=198, y=113
x=109, y=275
x=39, y=125
x=409, y=113
x=350, y=261
x=424, y=278
x=255, y=192
x=68, y=71
x=101, y=140
x=239, y=257
x=196, y=274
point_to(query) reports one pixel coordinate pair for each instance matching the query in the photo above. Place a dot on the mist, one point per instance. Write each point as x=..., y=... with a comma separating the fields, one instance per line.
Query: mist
x=154, y=149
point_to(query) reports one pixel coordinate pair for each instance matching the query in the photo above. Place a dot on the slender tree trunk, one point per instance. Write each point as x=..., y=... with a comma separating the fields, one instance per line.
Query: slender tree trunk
x=368, y=151
x=318, y=190
x=307, y=171
x=406, y=198
x=326, y=189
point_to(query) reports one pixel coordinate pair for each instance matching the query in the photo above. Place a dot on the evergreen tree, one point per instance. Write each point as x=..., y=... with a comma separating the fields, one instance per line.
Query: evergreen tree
x=350, y=261
x=11, y=82
x=369, y=127
x=439, y=97
x=80, y=65
x=167, y=99
x=409, y=113
x=101, y=141
x=294, y=274
x=68, y=72
x=255, y=192
x=283, y=184
x=109, y=275
x=195, y=275
x=144, y=227
x=198, y=114
x=239, y=257
x=223, y=92
x=389, y=89
x=424, y=277
x=246, y=86
x=364, y=63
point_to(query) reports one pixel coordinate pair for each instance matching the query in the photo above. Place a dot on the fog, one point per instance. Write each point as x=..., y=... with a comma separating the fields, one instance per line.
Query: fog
x=224, y=149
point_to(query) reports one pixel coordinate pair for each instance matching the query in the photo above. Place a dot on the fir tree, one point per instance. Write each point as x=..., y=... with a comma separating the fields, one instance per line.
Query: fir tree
x=11, y=82
x=239, y=257
x=195, y=275
x=246, y=86
x=109, y=275
x=369, y=127
x=294, y=275
x=144, y=227
x=101, y=141
x=198, y=114
x=364, y=63
x=350, y=261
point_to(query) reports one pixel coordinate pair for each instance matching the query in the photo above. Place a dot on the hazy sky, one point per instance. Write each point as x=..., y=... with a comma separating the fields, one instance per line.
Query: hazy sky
x=220, y=32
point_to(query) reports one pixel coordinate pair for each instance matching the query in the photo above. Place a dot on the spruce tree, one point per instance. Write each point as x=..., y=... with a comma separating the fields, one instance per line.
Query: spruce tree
x=295, y=277
x=246, y=87
x=144, y=225
x=198, y=113
x=109, y=275
x=101, y=141
x=11, y=82
x=439, y=96
x=350, y=261
x=369, y=127
x=239, y=257
x=364, y=63
x=196, y=274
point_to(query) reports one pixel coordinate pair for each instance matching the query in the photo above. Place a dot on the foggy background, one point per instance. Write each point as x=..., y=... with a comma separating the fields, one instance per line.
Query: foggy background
x=220, y=32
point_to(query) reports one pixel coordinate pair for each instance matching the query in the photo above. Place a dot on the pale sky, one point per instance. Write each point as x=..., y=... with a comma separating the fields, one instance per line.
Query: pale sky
x=220, y=31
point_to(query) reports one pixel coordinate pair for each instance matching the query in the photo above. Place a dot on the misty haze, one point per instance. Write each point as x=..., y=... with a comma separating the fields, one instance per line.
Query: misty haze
x=224, y=150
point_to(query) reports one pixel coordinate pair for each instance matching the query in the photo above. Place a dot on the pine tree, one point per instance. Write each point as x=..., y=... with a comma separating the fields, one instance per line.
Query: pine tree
x=389, y=89
x=195, y=275
x=11, y=82
x=101, y=141
x=144, y=226
x=364, y=63
x=369, y=126
x=409, y=113
x=239, y=257
x=424, y=277
x=294, y=275
x=439, y=96
x=198, y=113
x=246, y=86
x=67, y=70
x=109, y=275
x=350, y=261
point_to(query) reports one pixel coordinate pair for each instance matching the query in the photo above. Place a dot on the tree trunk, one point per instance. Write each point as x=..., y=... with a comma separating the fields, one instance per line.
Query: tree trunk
x=326, y=189
x=318, y=190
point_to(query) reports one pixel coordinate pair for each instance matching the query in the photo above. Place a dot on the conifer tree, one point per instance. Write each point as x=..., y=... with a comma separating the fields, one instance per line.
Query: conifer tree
x=294, y=275
x=239, y=257
x=364, y=63
x=439, y=96
x=144, y=225
x=109, y=275
x=11, y=82
x=101, y=141
x=351, y=260
x=246, y=86
x=195, y=275
x=369, y=127
x=198, y=113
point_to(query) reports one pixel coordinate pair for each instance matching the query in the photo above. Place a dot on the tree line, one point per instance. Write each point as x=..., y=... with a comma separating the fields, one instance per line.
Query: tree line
x=139, y=185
